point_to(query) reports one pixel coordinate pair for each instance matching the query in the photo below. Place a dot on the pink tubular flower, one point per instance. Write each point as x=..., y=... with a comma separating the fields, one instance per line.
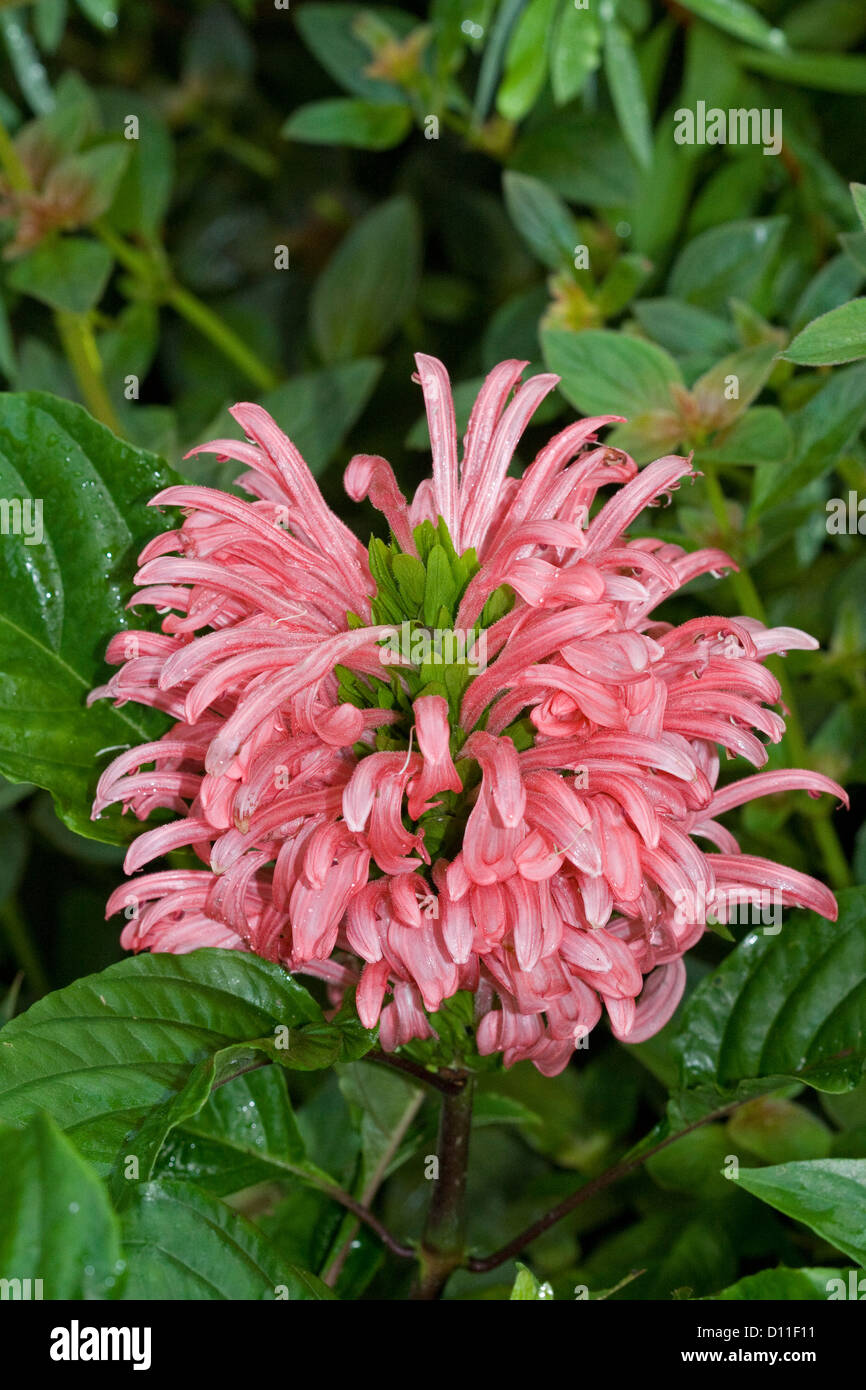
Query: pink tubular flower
x=470, y=758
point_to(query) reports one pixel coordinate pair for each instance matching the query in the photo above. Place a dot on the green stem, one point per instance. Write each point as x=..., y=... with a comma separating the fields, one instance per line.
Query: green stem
x=22, y=948
x=377, y=1177
x=443, y=1243
x=238, y=147
x=217, y=332
x=751, y=605
x=152, y=273
x=79, y=344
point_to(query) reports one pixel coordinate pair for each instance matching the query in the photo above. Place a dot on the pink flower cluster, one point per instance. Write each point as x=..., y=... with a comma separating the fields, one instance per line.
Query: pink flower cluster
x=576, y=883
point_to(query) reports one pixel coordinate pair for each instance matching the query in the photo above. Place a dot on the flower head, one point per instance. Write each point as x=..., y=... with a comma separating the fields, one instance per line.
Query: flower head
x=466, y=758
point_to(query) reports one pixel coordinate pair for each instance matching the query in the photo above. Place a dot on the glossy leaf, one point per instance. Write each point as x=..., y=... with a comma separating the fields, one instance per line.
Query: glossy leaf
x=100, y=1054
x=56, y=1222
x=787, y=1006
x=783, y=1285
x=828, y=1195
x=183, y=1244
x=63, y=598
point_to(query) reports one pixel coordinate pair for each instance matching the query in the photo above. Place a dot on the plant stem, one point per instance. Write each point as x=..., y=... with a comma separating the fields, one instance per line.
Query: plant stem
x=212, y=327
x=440, y=1081
x=322, y=1184
x=82, y=352
x=443, y=1243
x=22, y=948
x=148, y=271
x=377, y=1177
x=835, y=862
x=481, y=1265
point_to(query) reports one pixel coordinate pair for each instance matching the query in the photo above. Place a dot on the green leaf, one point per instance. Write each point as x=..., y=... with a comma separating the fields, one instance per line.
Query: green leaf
x=825, y=24
x=440, y=590
x=828, y=72
x=67, y=273
x=664, y=1250
x=183, y=1245
x=609, y=373
x=575, y=51
x=388, y=1104
x=694, y=1164
x=854, y=247
x=365, y=125
x=301, y=1050
x=828, y=1195
x=61, y=600
x=527, y=1288
x=786, y=1007
x=605, y=175
x=622, y=283
x=98, y=171
x=56, y=1222
x=762, y=435
x=526, y=61
x=24, y=60
x=726, y=262
x=823, y=428
x=627, y=93
x=245, y=1133
x=783, y=1285
x=837, y=336
x=779, y=1130
x=836, y=282
x=100, y=1054
x=858, y=193
x=683, y=328
x=749, y=367
x=333, y=33
x=144, y=193
x=541, y=218
x=739, y=19
x=491, y=1108
x=102, y=13
x=369, y=284
x=49, y=23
